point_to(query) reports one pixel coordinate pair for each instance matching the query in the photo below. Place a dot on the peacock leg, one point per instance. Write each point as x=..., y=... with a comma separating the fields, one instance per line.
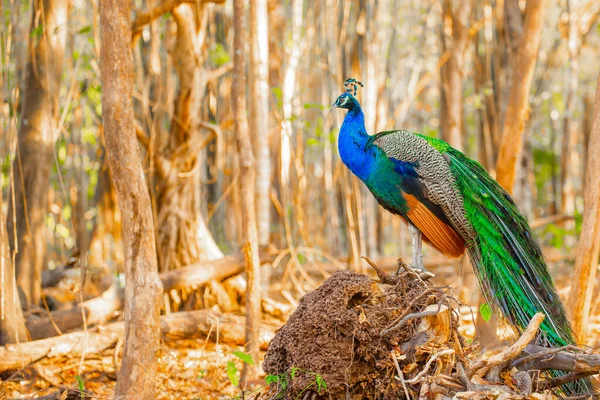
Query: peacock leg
x=417, y=247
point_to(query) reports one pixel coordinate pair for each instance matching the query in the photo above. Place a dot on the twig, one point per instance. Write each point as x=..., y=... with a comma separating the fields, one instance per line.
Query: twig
x=400, y=374
x=384, y=276
x=404, y=320
x=483, y=366
x=431, y=360
x=561, y=380
x=462, y=376
x=422, y=278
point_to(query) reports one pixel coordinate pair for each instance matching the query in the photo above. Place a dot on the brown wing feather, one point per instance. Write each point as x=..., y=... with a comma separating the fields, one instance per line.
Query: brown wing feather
x=437, y=233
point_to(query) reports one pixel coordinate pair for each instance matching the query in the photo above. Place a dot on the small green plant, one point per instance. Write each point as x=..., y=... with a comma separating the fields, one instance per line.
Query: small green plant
x=233, y=373
x=283, y=380
x=80, y=386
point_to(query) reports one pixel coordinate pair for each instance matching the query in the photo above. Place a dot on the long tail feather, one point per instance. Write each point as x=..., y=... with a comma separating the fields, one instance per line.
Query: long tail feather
x=508, y=262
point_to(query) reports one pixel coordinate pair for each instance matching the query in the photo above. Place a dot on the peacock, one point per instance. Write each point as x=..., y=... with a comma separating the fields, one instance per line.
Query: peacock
x=452, y=203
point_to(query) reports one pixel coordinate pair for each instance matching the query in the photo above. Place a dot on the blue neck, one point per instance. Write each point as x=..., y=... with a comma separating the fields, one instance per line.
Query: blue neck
x=351, y=144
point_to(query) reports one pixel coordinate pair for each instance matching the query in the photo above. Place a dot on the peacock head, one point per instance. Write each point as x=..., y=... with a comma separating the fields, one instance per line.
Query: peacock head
x=347, y=99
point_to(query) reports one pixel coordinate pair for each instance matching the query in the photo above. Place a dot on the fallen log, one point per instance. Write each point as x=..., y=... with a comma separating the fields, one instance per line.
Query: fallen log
x=16, y=356
x=100, y=309
x=96, y=310
x=190, y=324
x=201, y=272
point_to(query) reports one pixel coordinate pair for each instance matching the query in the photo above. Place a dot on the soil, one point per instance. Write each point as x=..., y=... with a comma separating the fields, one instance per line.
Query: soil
x=336, y=334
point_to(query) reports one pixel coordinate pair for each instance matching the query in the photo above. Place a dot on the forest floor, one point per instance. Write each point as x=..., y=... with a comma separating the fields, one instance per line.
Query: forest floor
x=188, y=368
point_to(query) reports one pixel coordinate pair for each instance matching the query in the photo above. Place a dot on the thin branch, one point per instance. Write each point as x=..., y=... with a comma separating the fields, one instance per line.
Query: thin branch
x=141, y=135
x=144, y=18
x=428, y=365
x=400, y=374
x=220, y=71
x=384, y=276
x=408, y=318
x=561, y=380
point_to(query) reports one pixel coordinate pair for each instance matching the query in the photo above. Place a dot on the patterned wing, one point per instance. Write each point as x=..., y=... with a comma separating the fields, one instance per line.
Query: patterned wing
x=433, y=170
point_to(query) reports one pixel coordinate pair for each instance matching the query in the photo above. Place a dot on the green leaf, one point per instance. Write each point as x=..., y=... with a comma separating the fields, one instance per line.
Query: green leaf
x=37, y=31
x=245, y=357
x=85, y=29
x=80, y=383
x=218, y=55
x=62, y=153
x=293, y=374
x=485, y=311
x=66, y=212
x=62, y=231
x=321, y=385
x=232, y=373
x=312, y=142
x=270, y=379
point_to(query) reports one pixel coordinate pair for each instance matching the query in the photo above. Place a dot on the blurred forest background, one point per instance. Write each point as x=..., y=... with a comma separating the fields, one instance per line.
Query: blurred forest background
x=442, y=68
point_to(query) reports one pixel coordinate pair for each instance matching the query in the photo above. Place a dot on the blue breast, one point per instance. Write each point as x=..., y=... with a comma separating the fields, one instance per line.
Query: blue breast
x=370, y=164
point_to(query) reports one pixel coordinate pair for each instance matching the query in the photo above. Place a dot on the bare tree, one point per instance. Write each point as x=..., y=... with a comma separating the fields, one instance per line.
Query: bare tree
x=588, y=249
x=12, y=324
x=452, y=72
x=524, y=58
x=136, y=379
x=36, y=137
x=247, y=179
x=184, y=237
x=567, y=198
x=259, y=114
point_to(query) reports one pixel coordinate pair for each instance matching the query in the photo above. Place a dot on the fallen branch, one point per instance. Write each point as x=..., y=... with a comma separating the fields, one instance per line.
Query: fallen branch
x=190, y=324
x=16, y=356
x=483, y=366
x=202, y=272
x=562, y=361
x=561, y=380
x=96, y=310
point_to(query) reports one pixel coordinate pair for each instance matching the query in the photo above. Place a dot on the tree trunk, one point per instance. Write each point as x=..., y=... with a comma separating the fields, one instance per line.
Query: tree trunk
x=106, y=244
x=588, y=249
x=517, y=112
x=136, y=378
x=36, y=137
x=567, y=159
x=247, y=179
x=12, y=323
x=288, y=90
x=259, y=114
x=184, y=237
x=452, y=72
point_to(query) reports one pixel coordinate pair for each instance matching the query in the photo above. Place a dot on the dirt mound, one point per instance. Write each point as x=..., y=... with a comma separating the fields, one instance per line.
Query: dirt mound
x=352, y=336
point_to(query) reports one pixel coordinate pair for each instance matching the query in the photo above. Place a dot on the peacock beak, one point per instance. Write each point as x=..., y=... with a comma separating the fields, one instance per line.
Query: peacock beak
x=334, y=105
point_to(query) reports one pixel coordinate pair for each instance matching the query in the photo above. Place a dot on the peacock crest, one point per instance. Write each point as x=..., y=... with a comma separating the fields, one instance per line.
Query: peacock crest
x=351, y=86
